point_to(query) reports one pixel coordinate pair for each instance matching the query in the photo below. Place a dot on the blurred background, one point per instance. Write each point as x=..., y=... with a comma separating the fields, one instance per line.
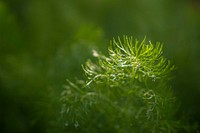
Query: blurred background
x=44, y=42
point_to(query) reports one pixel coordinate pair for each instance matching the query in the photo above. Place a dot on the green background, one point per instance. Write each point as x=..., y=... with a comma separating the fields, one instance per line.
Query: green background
x=44, y=42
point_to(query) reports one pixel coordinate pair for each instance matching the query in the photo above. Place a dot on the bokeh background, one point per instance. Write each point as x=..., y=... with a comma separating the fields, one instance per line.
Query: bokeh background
x=44, y=42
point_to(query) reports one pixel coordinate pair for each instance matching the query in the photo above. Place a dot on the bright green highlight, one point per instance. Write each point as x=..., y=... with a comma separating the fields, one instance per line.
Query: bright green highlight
x=126, y=92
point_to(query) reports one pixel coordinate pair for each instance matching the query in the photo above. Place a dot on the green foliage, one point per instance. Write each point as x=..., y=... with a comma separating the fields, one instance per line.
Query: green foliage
x=44, y=42
x=127, y=91
x=130, y=61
